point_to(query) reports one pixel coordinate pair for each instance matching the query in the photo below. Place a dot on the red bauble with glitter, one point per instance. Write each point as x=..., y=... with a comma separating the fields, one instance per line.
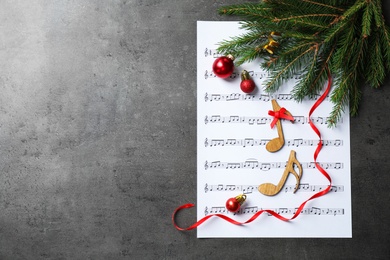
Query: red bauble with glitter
x=234, y=204
x=247, y=84
x=223, y=66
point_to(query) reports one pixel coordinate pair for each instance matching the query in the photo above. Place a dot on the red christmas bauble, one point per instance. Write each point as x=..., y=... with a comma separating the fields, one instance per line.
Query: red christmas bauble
x=233, y=205
x=223, y=66
x=247, y=86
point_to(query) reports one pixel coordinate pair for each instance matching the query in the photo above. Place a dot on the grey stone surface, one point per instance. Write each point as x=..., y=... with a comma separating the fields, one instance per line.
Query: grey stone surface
x=98, y=133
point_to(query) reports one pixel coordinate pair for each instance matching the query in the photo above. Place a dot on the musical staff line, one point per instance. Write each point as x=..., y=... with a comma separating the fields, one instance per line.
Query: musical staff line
x=252, y=120
x=266, y=166
x=288, y=211
x=248, y=189
x=209, y=74
x=252, y=97
x=262, y=142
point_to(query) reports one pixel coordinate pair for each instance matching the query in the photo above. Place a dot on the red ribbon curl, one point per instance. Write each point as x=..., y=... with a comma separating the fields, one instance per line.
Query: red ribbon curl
x=271, y=212
x=279, y=115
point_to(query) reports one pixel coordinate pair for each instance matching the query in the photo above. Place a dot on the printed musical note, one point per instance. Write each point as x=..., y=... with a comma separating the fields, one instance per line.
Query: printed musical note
x=211, y=53
x=337, y=188
x=218, y=119
x=218, y=210
x=248, y=189
x=215, y=97
x=315, y=211
x=230, y=187
x=284, y=97
x=248, y=210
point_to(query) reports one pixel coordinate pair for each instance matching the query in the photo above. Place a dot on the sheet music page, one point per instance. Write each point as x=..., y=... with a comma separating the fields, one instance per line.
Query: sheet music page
x=232, y=131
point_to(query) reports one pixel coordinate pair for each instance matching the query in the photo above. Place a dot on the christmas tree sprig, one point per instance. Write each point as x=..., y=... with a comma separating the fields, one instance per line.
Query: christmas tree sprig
x=347, y=37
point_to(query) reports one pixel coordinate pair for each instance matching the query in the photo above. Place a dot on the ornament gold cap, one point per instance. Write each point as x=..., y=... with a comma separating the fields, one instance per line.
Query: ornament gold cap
x=245, y=75
x=240, y=198
x=230, y=57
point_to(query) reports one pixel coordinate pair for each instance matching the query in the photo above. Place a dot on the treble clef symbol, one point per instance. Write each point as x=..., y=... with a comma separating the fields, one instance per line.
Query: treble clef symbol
x=206, y=166
x=206, y=189
x=206, y=97
x=206, y=143
x=206, y=212
x=206, y=120
x=206, y=52
x=206, y=75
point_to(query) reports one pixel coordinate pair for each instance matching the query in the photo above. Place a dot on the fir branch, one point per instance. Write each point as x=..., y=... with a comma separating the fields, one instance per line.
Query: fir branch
x=354, y=9
x=375, y=72
x=248, y=54
x=299, y=35
x=293, y=48
x=366, y=20
x=301, y=89
x=345, y=46
x=385, y=40
x=249, y=38
x=277, y=20
x=323, y=71
x=377, y=13
x=306, y=22
x=340, y=98
x=278, y=77
x=262, y=28
x=317, y=76
x=241, y=47
x=324, y=5
x=349, y=37
x=336, y=30
x=354, y=98
x=247, y=10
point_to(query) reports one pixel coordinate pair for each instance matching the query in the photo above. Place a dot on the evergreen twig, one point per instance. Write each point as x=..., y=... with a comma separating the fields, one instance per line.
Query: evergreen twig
x=349, y=37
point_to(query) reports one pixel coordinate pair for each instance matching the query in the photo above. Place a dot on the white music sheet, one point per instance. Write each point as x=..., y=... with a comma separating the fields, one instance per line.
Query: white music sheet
x=232, y=130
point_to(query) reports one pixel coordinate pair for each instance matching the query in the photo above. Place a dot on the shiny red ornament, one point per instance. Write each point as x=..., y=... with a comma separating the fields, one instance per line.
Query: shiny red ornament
x=223, y=66
x=234, y=204
x=247, y=84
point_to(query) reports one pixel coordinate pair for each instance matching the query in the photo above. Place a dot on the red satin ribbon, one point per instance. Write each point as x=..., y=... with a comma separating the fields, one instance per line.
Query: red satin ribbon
x=278, y=115
x=271, y=212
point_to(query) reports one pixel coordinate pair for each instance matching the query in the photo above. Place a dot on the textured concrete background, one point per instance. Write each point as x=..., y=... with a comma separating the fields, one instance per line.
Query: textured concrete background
x=98, y=133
